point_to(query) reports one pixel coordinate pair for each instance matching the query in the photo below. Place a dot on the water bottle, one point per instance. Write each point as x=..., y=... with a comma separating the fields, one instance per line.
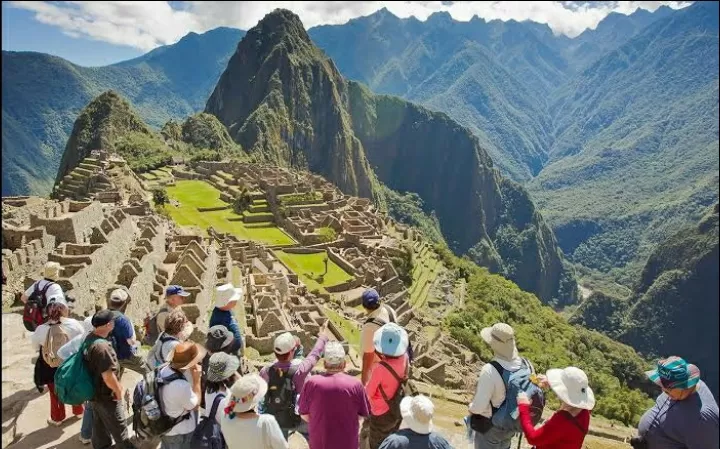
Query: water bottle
x=152, y=410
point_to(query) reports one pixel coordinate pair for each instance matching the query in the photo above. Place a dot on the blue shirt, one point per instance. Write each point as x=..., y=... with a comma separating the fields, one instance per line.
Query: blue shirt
x=407, y=439
x=227, y=319
x=122, y=331
x=688, y=424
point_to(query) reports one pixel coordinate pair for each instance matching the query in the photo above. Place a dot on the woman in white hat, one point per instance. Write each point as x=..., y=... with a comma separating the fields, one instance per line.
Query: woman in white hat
x=241, y=425
x=567, y=427
x=416, y=429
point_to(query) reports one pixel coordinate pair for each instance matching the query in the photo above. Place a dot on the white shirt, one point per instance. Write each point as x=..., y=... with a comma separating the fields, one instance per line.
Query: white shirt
x=160, y=352
x=73, y=345
x=491, y=388
x=261, y=432
x=53, y=292
x=178, y=398
x=367, y=334
x=72, y=328
x=209, y=398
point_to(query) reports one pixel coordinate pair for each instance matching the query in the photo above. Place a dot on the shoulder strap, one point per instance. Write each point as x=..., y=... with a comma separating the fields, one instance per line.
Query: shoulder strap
x=292, y=370
x=376, y=321
x=498, y=367
x=567, y=415
x=215, y=405
x=392, y=371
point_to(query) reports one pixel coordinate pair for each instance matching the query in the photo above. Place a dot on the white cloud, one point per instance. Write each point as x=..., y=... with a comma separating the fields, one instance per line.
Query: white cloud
x=149, y=24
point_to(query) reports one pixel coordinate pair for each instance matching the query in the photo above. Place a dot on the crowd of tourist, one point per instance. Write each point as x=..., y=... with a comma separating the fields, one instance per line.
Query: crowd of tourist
x=195, y=396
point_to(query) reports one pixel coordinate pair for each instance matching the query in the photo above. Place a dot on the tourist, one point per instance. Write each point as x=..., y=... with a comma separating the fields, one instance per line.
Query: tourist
x=490, y=389
x=377, y=316
x=416, y=429
x=685, y=415
x=181, y=398
x=333, y=403
x=226, y=298
x=49, y=338
x=123, y=335
x=222, y=374
x=108, y=411
x=566, y=428
x=174, y=298
x=241, y=425
x=285, y=411
x=219, y=339
x=176, y=331
x=48, y=285
x=387, y=379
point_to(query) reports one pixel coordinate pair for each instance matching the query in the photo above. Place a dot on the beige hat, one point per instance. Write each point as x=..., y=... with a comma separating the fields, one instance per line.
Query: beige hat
x=571, y=386
x=52, y=271
x=185, y=355
x=246, y=393
x=501, y=338
x=119, y=296
x=284, y=343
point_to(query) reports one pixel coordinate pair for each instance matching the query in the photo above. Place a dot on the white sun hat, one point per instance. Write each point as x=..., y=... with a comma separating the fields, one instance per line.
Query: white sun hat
x=225, y=294
x=571, y=386
x=247, y=392
x=417, y=413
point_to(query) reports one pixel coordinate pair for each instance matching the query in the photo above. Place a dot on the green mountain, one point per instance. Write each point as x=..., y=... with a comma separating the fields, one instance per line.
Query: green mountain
x=283, y=100
x=42, y=95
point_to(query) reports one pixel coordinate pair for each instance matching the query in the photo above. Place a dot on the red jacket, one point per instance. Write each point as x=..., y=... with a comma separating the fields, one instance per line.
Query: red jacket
x=561, y=431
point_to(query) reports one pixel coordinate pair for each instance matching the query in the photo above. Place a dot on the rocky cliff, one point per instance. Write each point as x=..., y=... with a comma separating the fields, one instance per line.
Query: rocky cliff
x=283, y=99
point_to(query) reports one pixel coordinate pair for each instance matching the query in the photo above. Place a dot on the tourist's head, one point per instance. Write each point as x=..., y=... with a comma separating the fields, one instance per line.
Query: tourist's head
x=52, y=271
x=417, y=413
x=391, y=341
x=501, y=338
x=219, y=339
x=334, y=357
x=227, y=296
x=677, y=378
x=57, y=309
x=104, y=322
x=222, y=371
x=370, y=300
x=246, y=394
x=175, y=296
x=571, y=387
x=175, y=322
x=284, y=346
x=186, y=355
x=118, y=299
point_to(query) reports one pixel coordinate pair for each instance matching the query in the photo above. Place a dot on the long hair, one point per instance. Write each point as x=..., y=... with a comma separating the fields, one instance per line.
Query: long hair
x=214, y=387
x=56, y=310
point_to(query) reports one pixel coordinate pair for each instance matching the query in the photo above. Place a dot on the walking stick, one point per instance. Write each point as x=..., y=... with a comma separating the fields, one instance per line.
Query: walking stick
x=519, y=440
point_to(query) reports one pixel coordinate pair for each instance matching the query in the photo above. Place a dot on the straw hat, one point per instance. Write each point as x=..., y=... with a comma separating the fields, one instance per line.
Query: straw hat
x=52, y=271
x=571, y=386
x=186, y=354
x=417, y=413
x=246, y=394
x=501, y=338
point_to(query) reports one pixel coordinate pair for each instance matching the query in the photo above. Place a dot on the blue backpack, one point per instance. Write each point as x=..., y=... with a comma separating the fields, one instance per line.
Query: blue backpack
x=207, y=434
x=506, y=416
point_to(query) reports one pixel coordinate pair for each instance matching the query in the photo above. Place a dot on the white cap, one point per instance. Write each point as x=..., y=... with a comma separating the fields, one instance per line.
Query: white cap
x=284, y=343
x=119, y=295
x=225, y=294
x=334, y=353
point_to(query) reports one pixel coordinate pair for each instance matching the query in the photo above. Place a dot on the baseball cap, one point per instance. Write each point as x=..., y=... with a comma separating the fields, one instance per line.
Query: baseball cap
x=103, y=317
x=176, y=290
x=119, y=295
x=370, y=298
x=334, y=353
x=284, y=343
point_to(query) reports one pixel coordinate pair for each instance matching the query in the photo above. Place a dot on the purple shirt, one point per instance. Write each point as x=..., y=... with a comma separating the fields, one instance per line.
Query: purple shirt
x=334, y=402
x=304, y=368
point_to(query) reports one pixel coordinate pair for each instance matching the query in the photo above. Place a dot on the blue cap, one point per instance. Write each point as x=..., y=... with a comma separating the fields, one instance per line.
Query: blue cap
x=370, y=298
x=176, y=290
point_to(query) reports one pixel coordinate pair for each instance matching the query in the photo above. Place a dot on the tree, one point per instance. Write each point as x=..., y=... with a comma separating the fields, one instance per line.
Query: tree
x=160, y=197
x=242, y=202
x=404, y=265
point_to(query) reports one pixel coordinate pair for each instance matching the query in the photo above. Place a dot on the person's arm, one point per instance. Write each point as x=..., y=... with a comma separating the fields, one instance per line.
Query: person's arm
x=363, y=404
x=235, y=329
x=309, y=362
x=70, y=347
x=194, y=403
x=264, y=373
x=24, y=297
x=373, y=384
x=113, y=383
x=704, y=435
x=544, y=434
x=38, y=337
x=305, y=400
x=480, y=404
x=391, y=442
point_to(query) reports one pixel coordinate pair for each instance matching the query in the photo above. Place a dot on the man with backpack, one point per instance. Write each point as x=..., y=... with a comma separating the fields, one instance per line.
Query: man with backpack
x=154, y=326
x=378, y=315
x=494, y=411
x=107, y=402
x=286, y=379
x=386, y=387
x=40, y=294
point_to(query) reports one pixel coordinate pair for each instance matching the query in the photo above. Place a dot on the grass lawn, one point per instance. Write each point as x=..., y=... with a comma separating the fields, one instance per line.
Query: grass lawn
x=347, y=328
x=308, y=266
x=194, y=194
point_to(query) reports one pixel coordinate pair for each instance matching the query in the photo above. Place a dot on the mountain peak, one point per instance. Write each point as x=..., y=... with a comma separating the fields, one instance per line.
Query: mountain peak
x=279, y=24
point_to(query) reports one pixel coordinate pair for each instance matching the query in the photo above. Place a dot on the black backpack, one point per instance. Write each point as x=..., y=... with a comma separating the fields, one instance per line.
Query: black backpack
x=394, y=402
x=207, y=434
x=280, y=397
x=35, y=310
x=149, y=389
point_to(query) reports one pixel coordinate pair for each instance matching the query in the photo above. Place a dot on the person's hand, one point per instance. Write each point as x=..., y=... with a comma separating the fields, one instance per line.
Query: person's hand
x=118, y=395
x=196, y=371
x=324, y=331
x=523, y=399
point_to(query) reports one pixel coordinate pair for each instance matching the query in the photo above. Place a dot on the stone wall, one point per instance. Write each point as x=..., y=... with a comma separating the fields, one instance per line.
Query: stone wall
x=71, y=227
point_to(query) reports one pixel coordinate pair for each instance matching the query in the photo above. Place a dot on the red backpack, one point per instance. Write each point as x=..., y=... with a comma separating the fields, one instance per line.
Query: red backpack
x=34, y=312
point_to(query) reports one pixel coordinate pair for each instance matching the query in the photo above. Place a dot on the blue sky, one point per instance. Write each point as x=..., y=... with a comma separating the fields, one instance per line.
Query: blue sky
x=100, y=33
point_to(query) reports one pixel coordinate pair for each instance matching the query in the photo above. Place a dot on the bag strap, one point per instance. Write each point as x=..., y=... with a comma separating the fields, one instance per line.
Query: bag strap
x=574, y=421
x=399, y=380
x=216, y=404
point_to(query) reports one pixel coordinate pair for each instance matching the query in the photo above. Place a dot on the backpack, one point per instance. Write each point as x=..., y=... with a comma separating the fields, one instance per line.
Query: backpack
x=506, y=416
x=147, y=390
x=56, y=338
x=155, y=356
x=73, y=382
x=207, y=434
x=34, y=313
x=152, y=331
x=280, y=397
x=394, y=402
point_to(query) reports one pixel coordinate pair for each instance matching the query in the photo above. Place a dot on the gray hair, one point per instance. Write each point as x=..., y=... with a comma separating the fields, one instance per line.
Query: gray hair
x=334, y=355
